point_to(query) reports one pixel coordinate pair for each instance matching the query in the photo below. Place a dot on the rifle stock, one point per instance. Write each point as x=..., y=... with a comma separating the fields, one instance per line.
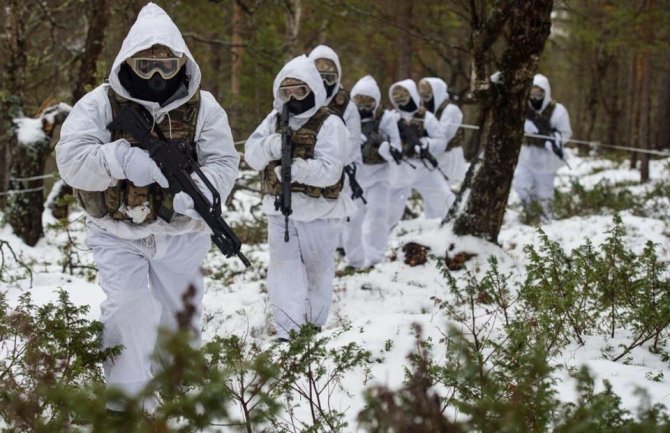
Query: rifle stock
x=175, y=162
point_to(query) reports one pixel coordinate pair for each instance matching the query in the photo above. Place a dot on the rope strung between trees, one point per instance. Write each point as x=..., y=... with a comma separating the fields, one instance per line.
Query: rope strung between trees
x=21, y=191
x=588, y=143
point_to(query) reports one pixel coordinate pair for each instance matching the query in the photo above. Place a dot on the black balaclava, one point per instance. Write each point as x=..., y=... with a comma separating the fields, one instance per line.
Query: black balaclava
x=155, y=89
x=409, y=107
x=329, y=89
x=298, y=107
x=430, y=105
x=536, y=103
x=366, y=114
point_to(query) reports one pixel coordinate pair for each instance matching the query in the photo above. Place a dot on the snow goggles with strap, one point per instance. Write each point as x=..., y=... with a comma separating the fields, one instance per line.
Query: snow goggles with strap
x=295, y=91
x=537, y=93
x=400, y=95
x=364, y=102
x=327, y=69
x=425, y=91
x=146, y=67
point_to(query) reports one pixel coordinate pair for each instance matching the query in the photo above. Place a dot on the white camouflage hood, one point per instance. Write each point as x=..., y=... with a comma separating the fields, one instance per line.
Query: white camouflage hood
x=325, y=52
x=410, y=85
x=542, y=82
x=301, y=68
x=439, y=87
x=154, y=26
x=367, y=86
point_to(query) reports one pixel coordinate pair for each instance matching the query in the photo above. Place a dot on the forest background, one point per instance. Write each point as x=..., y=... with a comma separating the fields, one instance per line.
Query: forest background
x=607, y=61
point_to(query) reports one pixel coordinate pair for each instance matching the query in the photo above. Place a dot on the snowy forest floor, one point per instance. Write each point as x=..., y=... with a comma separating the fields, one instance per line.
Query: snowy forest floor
x=377, y=309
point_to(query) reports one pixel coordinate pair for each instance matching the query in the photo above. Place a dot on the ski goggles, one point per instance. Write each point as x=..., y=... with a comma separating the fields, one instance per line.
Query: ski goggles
x=146, y=67
x=364, y=103
x=536, y=93
x=328, y=70
x=295, y=91
x=400, y=95
x=425, y=90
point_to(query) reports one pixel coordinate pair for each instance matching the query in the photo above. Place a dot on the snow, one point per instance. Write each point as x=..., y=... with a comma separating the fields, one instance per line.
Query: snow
x=29, y=131
x=378, y=308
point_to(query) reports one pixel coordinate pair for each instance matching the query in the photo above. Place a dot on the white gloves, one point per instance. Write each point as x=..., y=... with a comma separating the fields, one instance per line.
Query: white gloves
x=138, y=167
x=557, y=138
x=529, y=127
x=273, y=146
x=183, y=203
x=298, y=170
x=424, y=145
x=385, y=151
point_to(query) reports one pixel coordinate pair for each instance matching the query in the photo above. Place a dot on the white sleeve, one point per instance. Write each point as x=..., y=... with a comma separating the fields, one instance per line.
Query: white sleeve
x=353, y=121
x=389, y=126
x=256, y=150
x=86, y=159
x=437, y=144
x=326, y=167
x=215, y=148
x=451, y=119
x=560, y=120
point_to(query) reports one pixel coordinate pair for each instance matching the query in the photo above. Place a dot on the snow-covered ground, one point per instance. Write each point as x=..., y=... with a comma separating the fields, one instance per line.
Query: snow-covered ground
x=381, y=305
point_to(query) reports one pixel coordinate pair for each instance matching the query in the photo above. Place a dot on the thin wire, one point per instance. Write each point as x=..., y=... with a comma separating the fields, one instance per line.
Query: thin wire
x=21, y=191
x=589, y=143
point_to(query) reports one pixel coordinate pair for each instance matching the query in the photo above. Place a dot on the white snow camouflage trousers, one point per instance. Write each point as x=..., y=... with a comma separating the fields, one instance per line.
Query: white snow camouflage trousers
x=301, y=271
x=436, y=195
x=144, y=280
x=366, y=234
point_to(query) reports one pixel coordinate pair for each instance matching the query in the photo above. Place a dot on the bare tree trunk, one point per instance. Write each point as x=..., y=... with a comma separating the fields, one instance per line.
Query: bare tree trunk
x=645, y=118
x=15, y=55
x=488, y=182
x=98, y=19
x=293, y=16
x=634, y=125
x=403, y=42
x=237, y=50
x=663, y=125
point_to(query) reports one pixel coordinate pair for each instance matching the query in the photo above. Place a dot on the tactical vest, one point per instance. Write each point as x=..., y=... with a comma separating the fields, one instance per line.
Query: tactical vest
x=460, y=133
x=338, y=105
x=415, y=122
x=370, y=149
x=136, y=204
x=303, y=142
x=545, y=115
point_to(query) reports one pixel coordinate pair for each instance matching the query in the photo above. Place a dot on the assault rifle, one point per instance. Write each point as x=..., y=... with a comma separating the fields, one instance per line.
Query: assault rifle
x=356, y=190
x=544, y=128
x=175, y=161
x=409, y=134
x=397, y=156
x=283, y=201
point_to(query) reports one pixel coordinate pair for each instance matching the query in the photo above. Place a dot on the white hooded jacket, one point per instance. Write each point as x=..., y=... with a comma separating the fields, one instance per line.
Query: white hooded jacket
x=544, y=160
x=437, y=143
x=388, y=126
x=87, y=159
x=451, y=116
x=351, y=118
x=403, y=175
x=330, y=155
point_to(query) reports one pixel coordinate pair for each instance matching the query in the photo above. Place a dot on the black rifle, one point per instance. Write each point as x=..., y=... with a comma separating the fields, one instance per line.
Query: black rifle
x=397, y=155
x=175, y=161
x=544, y=128
x=410, y=134
x=356, y=190
x=376, y=138
x=283, y=201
